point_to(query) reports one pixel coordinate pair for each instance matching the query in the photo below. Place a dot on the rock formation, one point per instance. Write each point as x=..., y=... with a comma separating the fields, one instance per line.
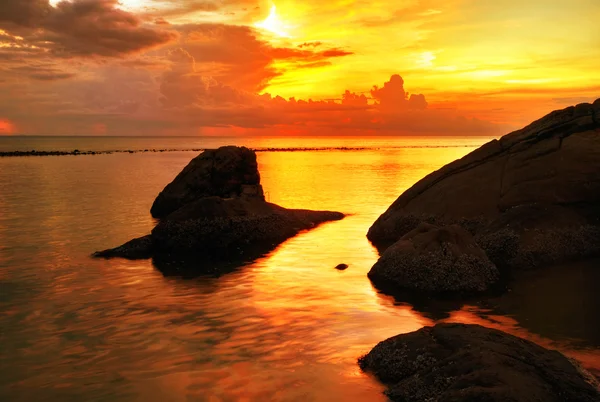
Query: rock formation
x=220, y=172
x=432, y=259
x=530, y=198
x=215, y=211
x=460, y=362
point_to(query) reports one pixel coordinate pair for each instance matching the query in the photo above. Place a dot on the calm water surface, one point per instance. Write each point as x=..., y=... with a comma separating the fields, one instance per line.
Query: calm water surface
x=287, y=327
x=71, y=143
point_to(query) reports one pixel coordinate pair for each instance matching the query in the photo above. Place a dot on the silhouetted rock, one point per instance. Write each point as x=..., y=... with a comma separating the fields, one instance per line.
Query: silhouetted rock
x=220, y=172
x=434, y=259
x=341, y=267
x=136, y=249
x=233, y=228
x=540, y=185
x=214, y=212
x=459, y=362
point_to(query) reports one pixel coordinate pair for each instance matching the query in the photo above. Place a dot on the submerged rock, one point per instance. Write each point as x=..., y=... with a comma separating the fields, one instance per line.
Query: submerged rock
x=460, y=362
x=214, y=211
x=540, y=184
x=434, y=259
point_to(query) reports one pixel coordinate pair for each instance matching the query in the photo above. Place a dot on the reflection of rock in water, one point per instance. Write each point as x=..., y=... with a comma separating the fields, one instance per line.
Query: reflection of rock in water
x=188, y=268
x=430, y=306
x=562, y=303
x=458, y=362
x=213, y=217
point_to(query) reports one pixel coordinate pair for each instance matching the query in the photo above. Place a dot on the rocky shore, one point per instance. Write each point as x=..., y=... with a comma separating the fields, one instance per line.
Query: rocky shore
x=530, y=199
x=214, y=211
x=461, y=362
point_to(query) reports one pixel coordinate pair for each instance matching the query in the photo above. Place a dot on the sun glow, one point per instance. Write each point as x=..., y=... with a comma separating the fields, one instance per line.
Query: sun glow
x=273, y=24
x=7, y=127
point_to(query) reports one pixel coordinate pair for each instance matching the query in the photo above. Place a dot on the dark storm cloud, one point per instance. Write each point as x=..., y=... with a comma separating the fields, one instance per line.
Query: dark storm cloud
x=80, y=27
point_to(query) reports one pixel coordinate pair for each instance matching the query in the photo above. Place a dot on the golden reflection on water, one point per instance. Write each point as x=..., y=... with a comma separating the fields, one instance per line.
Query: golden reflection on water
x=286, y=327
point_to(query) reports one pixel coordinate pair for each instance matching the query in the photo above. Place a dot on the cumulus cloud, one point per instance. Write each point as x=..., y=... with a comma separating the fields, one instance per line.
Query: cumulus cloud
x=202, y=101
x=350, y=98
x=392, y=96
x=183, y=85
x=59, y=67
x=183, y=99
x=80, y=27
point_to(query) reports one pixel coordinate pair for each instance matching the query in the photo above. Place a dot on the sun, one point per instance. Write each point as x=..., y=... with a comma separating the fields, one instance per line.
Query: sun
x=273, y=24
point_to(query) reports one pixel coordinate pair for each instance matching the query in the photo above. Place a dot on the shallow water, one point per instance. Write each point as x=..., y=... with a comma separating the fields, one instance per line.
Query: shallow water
x=287, y=327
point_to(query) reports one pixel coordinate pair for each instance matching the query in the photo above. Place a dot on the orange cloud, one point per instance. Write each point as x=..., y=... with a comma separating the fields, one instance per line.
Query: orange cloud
x=202, y=101
x=172, y=67
x=237, y=56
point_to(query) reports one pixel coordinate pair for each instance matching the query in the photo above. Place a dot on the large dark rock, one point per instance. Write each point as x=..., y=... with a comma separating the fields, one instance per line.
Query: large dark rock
x=220, y=172
x=433, y=259
x=540, y=185
x=234, y=229
x=214, y=212
x=459, y=362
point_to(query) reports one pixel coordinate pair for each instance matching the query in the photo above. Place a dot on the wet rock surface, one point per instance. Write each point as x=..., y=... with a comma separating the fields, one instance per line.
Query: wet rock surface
x=461, y=362
x=214, y=212
x=436, y=260
x=540, y=185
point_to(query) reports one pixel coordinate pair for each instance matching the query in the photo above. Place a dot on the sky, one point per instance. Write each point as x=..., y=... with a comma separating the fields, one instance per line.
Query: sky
x=293, y=68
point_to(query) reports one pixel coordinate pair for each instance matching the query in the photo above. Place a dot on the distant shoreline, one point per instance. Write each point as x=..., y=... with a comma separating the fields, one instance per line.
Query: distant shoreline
x=76, y=152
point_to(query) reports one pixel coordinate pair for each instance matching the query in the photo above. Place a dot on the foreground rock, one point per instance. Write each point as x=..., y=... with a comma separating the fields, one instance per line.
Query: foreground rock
x=531, y=198
x=214, y=211
x=433, y=259
x=459, y=362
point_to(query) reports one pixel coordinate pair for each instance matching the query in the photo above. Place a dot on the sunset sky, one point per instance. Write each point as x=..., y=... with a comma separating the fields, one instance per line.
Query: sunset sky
x=290, y=67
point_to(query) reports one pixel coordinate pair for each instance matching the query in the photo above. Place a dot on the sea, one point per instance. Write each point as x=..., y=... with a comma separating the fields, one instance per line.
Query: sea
x=285, y=327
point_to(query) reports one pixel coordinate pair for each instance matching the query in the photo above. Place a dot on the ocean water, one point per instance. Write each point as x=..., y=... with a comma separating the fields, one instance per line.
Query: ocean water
x=286, y=327
x=103, y=144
